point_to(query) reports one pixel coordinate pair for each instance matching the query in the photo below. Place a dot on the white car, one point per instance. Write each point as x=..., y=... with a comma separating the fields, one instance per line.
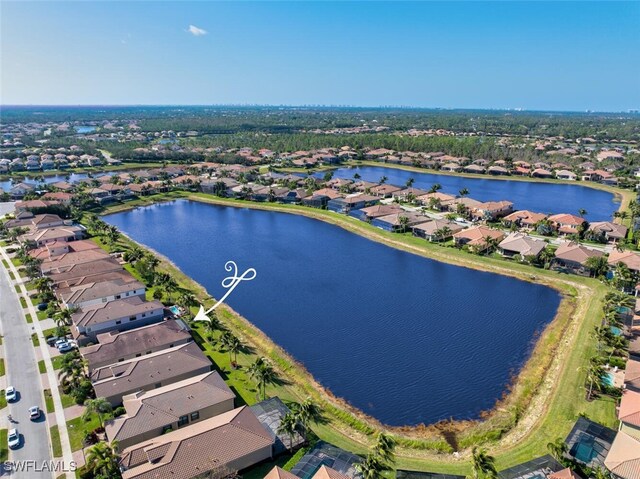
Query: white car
x=34, y=413
x=65, y=347
x=60, y=342
x=13, y=438
x=11, y=394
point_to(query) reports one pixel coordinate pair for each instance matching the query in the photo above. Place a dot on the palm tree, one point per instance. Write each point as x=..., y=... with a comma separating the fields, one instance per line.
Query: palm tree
x=582, y=212
x=371, y=467
x=288, y=426
x=557, y=449
x=598, y=265
x=383, y=180
x=410, y=182
x=356, y=176
x=463, y=192
x=482, y=463
x=43, y=285
x=232, y=344
x=384, y=448
x=435, y=187
x=134, y=254
x=262, y=371
x=306, y=412
x=601, y=473
x=403, y=221
x=102, y=461
x=63, y=318
x=594, y=373
x=99, y=406
x=113, y=235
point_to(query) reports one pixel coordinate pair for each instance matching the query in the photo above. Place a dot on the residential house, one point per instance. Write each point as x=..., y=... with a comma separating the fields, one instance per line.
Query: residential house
x=629, y=413
x=567, y=224
x=408, y=193
x=41, y=237
x=436, y=201
x=606, y=232
x=323, y=472
x=115, y=315
x=153, y=413
x=478, y=238
x=222, y=445
x=523, y=219
x=376, y=211
x=541, y=173
x=398, y=222
x=566, y=175
x=545, y=467
x=118, y=346
x=384, y=191
x=436, y=229
x=148, y=372
x=630, y=259
x=101, y=291
x=498, y=170
x=623, y=460
x=352, y=202
x=492, y=210
x=632, y=374
x=572, y=257
x=520, y=244
x=83, y=270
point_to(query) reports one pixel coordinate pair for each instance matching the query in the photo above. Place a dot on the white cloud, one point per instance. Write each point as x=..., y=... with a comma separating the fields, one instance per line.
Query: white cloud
x=195, y=31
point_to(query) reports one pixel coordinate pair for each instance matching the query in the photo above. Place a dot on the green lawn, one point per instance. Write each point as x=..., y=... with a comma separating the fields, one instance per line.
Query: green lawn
x=3, y=400
x=42, y=367
x=11, y=275
x=16, y=261
x=4, y=447
x=48, y=401
x=5, y=264
x=2, y=369
x=56, y=445
x=28, y=318
x=23, y=302
x=35, y=340
x=57, y=362
x=42, y=315
x=66, y=400
x=78, y=428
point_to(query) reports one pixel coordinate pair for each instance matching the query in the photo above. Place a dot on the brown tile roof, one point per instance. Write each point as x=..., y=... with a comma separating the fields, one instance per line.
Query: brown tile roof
x=613, y=230
x=222, y=441
x=629, y=411
x=632, y=374
x=99, y=289
x=87, y=269
x=380, y=210
x=64, y=287
x=525, y=217
x=278, y=473
x=430, y=227
x=576, y=253
x=59, y=264
x=623, y=459
x=523, y=244
x=112, y=310
x=631, y=259
x=566, y=219
x=327, y=473
x=139, y=373
x=114, y=345
x=564, y=474
x=152, y=410
x=476, y=234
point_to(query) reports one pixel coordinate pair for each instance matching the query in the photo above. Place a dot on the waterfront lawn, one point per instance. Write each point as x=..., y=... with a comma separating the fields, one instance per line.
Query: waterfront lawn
x=78, y=428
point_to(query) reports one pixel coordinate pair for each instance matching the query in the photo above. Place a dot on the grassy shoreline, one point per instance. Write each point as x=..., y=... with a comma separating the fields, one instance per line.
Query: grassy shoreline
x=552, y=408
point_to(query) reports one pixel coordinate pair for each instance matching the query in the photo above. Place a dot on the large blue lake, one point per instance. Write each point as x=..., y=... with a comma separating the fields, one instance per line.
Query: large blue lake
x=406, y=339
x=525, y=195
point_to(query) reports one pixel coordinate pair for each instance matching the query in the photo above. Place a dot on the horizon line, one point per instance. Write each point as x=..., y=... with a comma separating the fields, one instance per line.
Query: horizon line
x=311, y=106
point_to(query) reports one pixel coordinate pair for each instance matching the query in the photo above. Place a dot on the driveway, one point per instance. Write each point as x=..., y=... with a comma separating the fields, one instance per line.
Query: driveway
x=23, y=374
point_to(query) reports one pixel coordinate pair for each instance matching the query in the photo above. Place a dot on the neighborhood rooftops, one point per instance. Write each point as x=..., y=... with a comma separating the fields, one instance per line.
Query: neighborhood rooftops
x=623, y=458
x=126, y=344
x=227, y=443
x=112, y=310
x=152, y=410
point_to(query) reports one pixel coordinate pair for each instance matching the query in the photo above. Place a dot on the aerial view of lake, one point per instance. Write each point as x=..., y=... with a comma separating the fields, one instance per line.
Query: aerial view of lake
x=406, y=339
x=525, y=195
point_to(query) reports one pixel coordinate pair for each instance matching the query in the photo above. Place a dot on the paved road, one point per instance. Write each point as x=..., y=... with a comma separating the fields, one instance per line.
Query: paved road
x=23, y=374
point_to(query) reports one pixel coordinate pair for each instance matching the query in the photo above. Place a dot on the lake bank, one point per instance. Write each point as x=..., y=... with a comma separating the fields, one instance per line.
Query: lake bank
x=555, y=402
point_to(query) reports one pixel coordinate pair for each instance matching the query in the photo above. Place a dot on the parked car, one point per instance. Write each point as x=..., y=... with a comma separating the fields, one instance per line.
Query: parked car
x=52, y=340
x=11, y=394
x=34, y=413
x=13, y=438
x=66, y=347
x=60, y=341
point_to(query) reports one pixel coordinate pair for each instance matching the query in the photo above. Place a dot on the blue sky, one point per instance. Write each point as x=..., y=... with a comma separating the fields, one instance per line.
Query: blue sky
x=532, y=55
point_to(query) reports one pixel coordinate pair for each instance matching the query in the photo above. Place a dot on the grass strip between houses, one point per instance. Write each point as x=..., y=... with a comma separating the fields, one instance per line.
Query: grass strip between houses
x=543, y=404
x=4, y=448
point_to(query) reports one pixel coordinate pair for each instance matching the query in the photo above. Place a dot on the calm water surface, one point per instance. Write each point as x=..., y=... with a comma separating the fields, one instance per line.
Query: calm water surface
x=404, y=338
x=525, y=195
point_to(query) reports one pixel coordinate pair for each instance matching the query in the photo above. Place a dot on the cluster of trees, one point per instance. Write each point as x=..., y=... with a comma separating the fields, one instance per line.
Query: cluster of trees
x=73, y=377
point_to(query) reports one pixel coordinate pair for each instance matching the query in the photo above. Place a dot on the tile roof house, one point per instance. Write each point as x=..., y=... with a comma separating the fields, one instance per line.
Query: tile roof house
x=623, y=460
x=572, y=257
x=82, y=270
x=100, y=291
x=371, y=212
x=116, y=315
x=436, y=229
x=629, y=413
x=607, y=231
x=492, y=210
x=59, y=233
x=632, y=374
x=278, y=473
x=149, y=372
x=629, y=258
x=223, y=444
x=397, y=222
x=520, y=244
x=523, y=218
x=153, y=413
x=323, y=472
x=118, y=346
x=567, y=224
x=476, y=237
